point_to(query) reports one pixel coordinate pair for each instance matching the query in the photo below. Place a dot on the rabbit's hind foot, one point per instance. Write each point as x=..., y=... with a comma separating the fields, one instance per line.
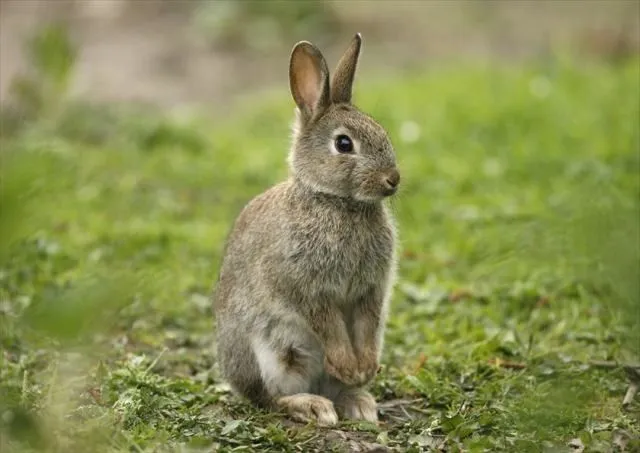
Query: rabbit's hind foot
x=357, y=404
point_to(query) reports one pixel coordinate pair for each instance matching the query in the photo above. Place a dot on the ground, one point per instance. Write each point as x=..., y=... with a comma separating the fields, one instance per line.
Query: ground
x=518, y=219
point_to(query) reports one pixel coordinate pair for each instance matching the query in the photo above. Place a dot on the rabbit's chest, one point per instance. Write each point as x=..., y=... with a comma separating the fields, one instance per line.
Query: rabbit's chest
x=343, y=262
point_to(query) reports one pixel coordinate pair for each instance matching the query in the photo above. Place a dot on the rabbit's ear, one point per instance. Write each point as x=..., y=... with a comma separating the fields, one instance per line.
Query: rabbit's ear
x=309, y=79
x=345, y=72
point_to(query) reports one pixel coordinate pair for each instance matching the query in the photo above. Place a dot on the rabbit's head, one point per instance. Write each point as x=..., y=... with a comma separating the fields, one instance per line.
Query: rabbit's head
x=337, y=149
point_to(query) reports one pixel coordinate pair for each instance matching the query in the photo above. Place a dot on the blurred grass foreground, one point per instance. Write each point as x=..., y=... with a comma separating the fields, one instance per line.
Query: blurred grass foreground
x=520, y=225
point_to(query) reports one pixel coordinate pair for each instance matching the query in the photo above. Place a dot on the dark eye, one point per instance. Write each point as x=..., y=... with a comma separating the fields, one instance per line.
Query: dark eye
x=344, y=144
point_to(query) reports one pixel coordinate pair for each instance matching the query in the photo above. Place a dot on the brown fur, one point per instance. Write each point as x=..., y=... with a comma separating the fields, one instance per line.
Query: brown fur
x=308, y=267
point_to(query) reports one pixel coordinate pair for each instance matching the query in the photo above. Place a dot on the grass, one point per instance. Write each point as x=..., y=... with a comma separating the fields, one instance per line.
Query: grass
x=520, y=257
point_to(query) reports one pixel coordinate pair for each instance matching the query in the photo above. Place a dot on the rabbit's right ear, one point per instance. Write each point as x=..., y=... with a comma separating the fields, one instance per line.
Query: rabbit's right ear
x=309, y=79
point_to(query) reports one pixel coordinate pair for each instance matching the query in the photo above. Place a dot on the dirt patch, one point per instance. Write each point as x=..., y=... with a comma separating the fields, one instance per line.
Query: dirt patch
x=148, y=50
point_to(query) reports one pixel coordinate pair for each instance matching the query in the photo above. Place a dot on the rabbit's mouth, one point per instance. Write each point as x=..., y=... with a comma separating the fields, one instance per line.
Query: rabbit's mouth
x=389, y=191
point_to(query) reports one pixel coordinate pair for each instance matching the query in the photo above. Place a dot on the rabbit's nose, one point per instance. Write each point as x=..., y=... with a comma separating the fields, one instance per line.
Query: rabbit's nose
x=393, y=179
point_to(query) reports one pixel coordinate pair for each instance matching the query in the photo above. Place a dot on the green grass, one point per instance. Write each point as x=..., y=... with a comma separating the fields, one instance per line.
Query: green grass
x=519, y=224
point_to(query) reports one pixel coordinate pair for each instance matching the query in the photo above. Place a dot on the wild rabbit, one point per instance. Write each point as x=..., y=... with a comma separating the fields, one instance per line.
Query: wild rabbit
x=301, y=298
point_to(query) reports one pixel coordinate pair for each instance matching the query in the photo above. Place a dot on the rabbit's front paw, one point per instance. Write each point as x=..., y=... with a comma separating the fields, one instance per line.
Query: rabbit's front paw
x=341, y=364
x=305, y=408
x=367, y=366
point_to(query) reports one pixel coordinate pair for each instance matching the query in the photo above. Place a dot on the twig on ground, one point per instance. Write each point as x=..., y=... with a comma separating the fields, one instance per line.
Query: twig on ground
x=507, y=364
x=399, y=402
x=308, y=441
x=156, y=360
x=633, y=367
x=397, y=409
x=407, y=414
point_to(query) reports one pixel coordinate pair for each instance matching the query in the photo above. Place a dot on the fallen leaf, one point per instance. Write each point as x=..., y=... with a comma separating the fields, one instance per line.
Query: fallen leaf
x=367, y=447
x=410, y=254
x=231, y=426
x=95, y=394
x=459, y=294
x=543, y=301
x=621, y=439
x=425, y=440
x=421, y=361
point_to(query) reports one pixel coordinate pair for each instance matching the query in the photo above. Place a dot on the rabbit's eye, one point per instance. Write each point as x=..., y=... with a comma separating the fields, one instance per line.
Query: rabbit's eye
x=344, y=144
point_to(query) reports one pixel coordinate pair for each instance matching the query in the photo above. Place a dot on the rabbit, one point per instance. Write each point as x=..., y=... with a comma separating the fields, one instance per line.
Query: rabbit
x=301, y=298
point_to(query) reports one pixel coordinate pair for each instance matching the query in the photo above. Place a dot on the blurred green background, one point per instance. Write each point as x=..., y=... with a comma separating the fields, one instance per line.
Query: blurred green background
x=133, y=132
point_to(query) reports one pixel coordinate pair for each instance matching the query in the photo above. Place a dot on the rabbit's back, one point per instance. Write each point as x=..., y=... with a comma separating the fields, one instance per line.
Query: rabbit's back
x=253, y=238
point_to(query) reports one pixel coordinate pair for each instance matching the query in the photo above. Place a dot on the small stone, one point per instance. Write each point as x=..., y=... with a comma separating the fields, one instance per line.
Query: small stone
x=577, y=445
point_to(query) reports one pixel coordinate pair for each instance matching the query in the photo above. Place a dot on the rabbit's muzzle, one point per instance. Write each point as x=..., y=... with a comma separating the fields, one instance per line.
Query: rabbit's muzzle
x=390, y=181
x=373, y=184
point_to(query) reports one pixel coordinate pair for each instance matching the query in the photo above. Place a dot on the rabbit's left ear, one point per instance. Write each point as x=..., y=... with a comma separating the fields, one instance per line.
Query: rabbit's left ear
x=345, y=72
x=309, y=79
